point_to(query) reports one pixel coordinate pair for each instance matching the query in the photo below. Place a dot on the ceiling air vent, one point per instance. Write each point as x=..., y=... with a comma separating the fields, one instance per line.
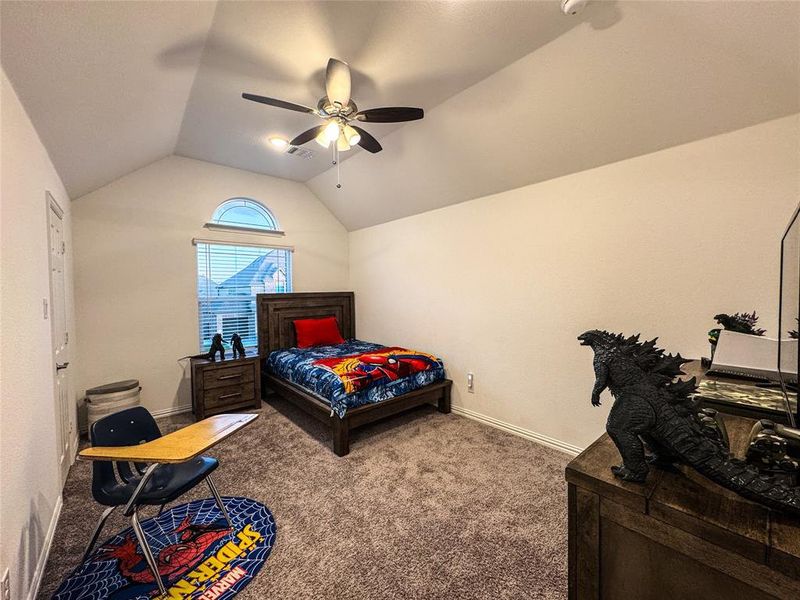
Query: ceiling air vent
x=299, y=152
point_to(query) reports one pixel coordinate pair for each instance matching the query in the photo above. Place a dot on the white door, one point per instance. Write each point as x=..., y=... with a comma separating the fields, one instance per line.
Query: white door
x=58, y=325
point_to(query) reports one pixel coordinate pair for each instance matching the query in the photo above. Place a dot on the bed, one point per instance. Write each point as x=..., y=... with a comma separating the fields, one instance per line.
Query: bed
x=292, y=374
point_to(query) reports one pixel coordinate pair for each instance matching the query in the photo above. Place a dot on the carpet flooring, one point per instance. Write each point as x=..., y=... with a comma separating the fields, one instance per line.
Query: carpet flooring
x=426, y=505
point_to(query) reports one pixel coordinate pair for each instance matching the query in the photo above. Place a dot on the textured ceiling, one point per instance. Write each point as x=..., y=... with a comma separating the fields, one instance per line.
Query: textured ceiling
x=122, y=72
x=88, y=74
x=514, y=92
x=401, y=54
x=664, y=73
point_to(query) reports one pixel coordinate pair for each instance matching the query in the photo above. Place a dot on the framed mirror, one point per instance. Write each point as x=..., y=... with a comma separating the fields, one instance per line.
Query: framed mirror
x=788, y=315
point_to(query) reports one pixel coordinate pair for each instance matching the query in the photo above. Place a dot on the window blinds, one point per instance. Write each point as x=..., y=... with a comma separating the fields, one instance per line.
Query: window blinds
x=228, y=278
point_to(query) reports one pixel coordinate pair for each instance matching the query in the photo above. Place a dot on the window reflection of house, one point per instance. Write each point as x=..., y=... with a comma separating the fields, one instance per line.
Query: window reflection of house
x=229, y=307
x=280, y=281
x=259, y=277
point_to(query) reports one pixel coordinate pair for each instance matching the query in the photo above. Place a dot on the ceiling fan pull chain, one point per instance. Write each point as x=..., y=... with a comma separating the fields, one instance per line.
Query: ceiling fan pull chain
x=338, y=173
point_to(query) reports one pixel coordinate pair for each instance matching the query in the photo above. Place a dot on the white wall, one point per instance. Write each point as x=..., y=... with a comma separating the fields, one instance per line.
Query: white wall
x=31, y=486
x=136, y=267
x=503, y=284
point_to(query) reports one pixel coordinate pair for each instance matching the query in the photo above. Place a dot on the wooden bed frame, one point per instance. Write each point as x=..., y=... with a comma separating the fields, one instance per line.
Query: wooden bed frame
x=276, y=315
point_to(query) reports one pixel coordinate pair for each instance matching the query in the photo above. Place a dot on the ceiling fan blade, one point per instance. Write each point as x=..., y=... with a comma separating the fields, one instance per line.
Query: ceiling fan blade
x=279, y=103
x=337, y=82
x=367, y=142
x=390, y=114
x=307, y=136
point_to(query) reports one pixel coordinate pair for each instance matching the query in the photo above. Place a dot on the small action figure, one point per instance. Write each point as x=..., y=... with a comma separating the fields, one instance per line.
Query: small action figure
x=216, y=346
x=238, y=347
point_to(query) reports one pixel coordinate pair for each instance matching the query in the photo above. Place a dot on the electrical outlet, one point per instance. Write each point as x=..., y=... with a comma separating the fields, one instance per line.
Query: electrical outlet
x=5, y=587
x=471, y=383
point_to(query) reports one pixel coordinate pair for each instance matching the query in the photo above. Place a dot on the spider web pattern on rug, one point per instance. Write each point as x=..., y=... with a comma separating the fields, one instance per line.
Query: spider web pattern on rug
x=198, y=557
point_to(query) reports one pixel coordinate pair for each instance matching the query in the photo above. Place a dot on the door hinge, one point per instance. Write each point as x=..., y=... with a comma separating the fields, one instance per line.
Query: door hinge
x=63, y=247
x=66, y=337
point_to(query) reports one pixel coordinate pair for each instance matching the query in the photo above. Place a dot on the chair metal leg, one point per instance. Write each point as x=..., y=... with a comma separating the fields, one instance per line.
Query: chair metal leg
x=131, y=506
x=148, y=553
x=97, y=530
x=218, y=499
x=161, y=509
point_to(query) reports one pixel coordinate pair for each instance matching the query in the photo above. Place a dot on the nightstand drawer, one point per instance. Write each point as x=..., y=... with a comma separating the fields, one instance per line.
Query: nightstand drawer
x=233, y=394
x=220, y=386
x=229, y=375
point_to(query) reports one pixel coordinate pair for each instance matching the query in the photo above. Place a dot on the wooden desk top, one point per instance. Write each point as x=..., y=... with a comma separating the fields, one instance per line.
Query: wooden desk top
x=178, y=446
x=688, y=501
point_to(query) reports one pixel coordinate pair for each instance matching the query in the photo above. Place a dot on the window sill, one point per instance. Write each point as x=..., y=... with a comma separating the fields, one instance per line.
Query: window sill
x=251, y=230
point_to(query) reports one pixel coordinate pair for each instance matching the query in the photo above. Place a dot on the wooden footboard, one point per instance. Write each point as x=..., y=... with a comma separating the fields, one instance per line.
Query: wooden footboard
x=435, y=393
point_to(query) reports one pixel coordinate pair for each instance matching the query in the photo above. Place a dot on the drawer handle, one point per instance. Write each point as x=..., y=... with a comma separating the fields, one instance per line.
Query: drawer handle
x=224, y=396
x=238, y=376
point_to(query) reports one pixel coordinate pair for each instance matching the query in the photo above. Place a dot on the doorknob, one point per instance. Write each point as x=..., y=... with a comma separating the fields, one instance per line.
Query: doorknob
x=64, y=366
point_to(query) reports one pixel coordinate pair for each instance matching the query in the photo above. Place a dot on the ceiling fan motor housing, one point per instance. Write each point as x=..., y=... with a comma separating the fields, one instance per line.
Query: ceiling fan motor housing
x=326, y=108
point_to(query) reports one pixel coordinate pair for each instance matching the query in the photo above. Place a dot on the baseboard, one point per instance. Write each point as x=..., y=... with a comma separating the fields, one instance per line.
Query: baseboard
x=76, y=444
x=33, y=591
x=525, y=433
x=174, y=410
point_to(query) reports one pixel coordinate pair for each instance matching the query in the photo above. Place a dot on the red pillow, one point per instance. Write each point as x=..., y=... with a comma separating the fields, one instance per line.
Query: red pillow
x=317, y=332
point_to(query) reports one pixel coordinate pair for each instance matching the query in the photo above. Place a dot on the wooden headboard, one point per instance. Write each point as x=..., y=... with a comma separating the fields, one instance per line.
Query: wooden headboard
x=277, y=312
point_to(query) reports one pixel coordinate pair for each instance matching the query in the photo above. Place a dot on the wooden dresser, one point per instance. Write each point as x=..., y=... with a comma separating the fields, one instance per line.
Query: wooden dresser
x=225, y=385
x=678, y=536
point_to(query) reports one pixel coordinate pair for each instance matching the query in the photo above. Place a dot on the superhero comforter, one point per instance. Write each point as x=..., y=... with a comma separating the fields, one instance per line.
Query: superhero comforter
x=355, y=372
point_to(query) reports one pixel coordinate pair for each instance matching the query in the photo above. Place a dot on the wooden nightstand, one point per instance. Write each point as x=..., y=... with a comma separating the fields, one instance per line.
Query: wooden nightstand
x=225, y=385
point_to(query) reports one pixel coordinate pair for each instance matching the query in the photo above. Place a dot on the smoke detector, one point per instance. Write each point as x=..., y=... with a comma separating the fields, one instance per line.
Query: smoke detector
x=573, y=7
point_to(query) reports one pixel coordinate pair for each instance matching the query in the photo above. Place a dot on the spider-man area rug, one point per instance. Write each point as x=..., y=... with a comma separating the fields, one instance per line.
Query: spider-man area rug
x=198, y=556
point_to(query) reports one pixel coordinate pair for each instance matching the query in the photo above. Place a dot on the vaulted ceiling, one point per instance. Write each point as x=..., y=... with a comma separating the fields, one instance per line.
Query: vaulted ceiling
x=514, y=92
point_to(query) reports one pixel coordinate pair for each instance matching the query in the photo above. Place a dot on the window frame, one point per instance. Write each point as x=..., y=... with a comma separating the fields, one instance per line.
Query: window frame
x=214, y=223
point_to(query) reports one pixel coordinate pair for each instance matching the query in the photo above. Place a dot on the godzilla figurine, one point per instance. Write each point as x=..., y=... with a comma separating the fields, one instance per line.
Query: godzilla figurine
x=238, y=347
x=216, y=346
x=652, y=407
x=738, y=322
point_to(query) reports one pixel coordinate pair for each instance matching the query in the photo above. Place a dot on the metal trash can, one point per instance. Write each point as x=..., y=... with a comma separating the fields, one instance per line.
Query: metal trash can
x=107, y=399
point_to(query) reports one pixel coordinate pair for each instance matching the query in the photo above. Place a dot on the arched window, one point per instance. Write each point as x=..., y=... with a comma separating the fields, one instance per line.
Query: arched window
x=244, y=214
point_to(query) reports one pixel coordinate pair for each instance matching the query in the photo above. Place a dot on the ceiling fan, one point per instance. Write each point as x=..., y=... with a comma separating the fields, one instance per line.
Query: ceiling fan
x=339, y=112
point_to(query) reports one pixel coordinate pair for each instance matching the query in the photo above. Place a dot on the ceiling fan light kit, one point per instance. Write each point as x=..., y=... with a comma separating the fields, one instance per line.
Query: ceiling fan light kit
x=332, y=131
x=339, y=110
x=353, y=137
x=342, y=145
